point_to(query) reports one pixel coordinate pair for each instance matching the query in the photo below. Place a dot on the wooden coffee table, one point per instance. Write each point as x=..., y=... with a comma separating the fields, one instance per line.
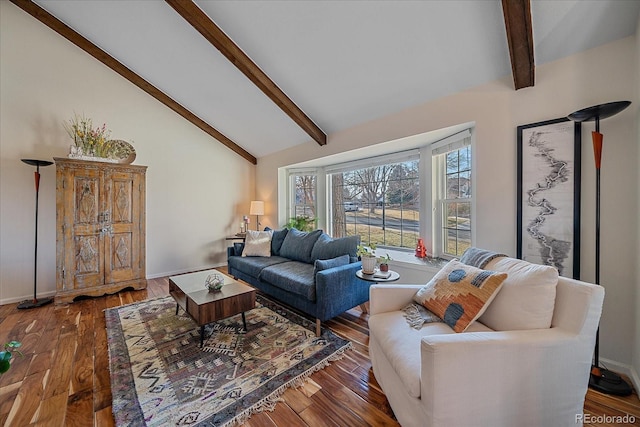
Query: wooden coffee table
x=206, y=307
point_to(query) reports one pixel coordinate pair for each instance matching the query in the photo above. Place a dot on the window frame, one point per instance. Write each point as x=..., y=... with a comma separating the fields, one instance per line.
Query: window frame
x=432, y=184
x=291, y=191
x=440, y=198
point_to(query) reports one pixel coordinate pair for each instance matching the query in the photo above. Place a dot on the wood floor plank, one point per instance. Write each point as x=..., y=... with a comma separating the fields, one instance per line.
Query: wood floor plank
x=40, y=362
x=80, y=409
x=7, y=398
x=627, y=404
x=49, y=413
x=59, y=379
x=316, y=417
x=371, y=415
x=104, y=418
x=284, y=415
x=261, y=419
x=63, y=380
x=18, y=371
x=6, y=310
x=296, y=400
x=26, y=401
x=336, y=410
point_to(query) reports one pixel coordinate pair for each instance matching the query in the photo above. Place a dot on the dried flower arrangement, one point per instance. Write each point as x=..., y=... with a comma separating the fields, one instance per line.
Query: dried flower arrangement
x=95, y=142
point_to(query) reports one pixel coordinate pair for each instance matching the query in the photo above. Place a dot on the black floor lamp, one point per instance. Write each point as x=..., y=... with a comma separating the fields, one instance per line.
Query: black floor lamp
x=601, y=379
x=42, y=301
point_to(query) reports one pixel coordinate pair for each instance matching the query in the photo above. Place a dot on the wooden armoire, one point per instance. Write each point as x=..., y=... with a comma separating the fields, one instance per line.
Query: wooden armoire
x=100, y=220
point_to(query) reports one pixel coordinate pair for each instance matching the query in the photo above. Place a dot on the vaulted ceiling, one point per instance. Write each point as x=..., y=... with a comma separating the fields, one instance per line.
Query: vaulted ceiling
x=336, y=64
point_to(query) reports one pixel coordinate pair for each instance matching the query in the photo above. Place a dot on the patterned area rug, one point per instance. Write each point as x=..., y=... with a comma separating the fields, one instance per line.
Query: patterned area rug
x=160, y=376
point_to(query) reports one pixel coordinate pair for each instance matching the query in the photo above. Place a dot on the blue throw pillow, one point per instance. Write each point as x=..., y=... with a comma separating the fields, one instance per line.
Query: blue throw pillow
x=298, y=245
x=238, y=248
x=327, y=248
x=324, y=264
x=277, y=239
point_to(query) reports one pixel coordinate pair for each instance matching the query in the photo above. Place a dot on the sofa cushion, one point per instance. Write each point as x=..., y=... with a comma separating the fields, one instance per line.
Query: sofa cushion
x=459, y=293
x=400, y=344
x=293, y=276
x=257, y=243
x=527, y=297
x=327, y=247
x=324, y=264
x=298, y=245
x=253, y=265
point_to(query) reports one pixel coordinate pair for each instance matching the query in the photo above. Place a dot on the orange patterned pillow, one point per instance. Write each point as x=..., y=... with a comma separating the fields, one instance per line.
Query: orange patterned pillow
x=459, y=293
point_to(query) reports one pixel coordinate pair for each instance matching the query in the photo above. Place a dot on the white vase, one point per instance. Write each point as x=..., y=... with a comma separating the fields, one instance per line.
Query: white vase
x=368, y=264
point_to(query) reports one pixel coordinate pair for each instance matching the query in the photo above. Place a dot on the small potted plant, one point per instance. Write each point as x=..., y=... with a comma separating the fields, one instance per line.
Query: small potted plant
x=383, y=261
x=301, y=223
x=367, y=255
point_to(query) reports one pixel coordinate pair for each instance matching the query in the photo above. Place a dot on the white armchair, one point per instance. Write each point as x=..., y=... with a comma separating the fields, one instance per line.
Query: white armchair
x=435, y=377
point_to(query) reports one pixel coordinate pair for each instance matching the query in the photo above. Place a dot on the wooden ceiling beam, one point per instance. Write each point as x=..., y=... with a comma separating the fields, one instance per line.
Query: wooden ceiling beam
x=517, y=21
x=65, y=31
x=210, y=31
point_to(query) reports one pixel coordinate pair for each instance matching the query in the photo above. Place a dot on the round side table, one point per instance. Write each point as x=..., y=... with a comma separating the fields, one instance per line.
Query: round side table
x=372, y=277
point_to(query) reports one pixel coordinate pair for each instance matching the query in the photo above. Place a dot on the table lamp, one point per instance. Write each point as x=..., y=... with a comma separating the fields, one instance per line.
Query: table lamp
x=257, y=209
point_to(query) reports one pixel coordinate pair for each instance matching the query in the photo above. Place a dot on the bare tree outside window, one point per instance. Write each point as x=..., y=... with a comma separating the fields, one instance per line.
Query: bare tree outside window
x=305, y=196
x=339, y=225
x=380, y=204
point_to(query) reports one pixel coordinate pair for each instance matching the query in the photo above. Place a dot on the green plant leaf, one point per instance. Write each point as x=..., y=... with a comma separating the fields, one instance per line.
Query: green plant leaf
x=4, y=366
x=5, y=356
x=13, y=344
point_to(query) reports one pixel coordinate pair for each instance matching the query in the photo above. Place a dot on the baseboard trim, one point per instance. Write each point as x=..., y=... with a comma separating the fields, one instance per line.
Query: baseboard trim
x=635, y=379
x=26, y=297
x=622, y=368
x=149, y=276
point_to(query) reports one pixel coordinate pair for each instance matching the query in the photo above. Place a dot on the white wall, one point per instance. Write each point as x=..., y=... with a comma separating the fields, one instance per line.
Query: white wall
x=197, y=189
x=600, y=75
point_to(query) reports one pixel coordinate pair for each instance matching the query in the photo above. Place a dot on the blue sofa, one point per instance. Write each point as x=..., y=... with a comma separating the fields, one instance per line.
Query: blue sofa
x=309, y=271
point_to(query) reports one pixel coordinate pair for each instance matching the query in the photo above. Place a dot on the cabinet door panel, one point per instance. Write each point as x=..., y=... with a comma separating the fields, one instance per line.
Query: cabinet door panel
x=122, y=243
x=120, y=265
x=122, y=202
x=88, y=261
x=85, y=260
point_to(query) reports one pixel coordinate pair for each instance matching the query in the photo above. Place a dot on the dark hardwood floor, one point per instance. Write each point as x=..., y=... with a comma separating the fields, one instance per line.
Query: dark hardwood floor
x=63, y=379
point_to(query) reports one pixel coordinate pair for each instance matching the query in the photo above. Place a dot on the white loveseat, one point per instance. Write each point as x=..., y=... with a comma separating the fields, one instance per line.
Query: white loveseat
x=434, y=377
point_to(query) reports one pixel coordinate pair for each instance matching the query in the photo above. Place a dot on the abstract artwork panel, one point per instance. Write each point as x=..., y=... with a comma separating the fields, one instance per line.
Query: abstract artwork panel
x=549, y=195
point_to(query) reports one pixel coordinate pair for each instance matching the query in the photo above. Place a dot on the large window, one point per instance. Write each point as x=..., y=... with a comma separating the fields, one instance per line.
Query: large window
x=379, y=203
x=394, y=199
x=456, y=206
x=303, y=195
x=452, y=166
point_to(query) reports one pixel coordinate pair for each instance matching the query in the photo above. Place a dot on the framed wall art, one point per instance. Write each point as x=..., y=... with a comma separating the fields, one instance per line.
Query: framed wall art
x=548, y=198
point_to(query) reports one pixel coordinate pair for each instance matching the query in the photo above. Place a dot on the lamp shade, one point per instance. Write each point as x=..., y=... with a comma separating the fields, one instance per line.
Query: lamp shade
x=257, y=208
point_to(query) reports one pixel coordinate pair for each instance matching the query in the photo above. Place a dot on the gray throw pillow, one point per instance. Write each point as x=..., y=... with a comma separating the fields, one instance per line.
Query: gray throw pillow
x=297, y=245
x=327, y=248
x=324, y=264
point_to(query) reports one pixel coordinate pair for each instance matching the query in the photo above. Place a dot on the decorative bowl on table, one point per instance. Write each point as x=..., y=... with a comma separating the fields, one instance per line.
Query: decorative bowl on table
x=214, y=282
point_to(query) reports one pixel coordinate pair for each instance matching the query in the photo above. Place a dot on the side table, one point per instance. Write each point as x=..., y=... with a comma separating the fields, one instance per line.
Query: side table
x=372, y=277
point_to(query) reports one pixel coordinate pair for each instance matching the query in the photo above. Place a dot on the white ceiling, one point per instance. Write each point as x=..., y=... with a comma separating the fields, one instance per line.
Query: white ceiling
x=342, y=62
